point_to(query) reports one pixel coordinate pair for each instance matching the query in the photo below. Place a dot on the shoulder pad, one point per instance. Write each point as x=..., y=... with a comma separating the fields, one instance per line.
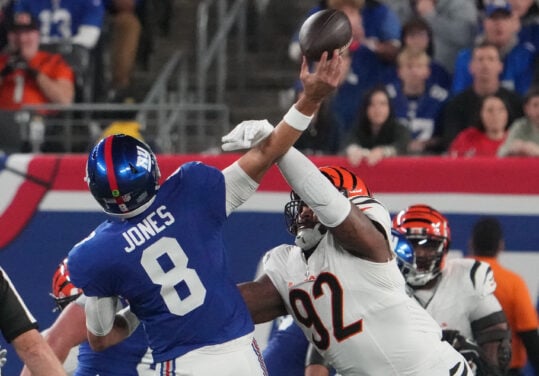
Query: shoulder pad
x=482, y=278
x=376, y=212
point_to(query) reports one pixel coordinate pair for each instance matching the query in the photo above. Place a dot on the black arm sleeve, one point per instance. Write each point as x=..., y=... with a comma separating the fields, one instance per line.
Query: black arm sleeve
x=531, y=342
x=15, y=318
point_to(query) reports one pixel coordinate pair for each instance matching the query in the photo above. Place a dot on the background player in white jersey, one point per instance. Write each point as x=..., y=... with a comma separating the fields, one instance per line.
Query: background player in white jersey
x=458, y=293
x=342, y=284
x=163, y=251
x=67, y=337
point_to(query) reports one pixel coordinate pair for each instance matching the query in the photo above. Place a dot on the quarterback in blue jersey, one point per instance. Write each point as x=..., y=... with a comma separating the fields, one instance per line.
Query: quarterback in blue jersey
x=162, y=249
x=78, y=21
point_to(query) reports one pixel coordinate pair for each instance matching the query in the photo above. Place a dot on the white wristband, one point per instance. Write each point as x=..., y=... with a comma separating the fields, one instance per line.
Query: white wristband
x=296, y=119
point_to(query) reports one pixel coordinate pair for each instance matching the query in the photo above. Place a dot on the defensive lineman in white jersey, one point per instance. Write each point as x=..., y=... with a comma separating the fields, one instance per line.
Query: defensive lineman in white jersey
x=342, y=284
x=458, y=293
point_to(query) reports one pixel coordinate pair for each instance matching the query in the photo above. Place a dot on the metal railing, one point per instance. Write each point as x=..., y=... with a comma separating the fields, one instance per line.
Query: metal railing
x=216, y=50
x=77, y=127
x=167, y=118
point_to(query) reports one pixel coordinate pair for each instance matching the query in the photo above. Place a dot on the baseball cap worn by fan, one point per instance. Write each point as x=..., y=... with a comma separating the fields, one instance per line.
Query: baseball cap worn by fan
x=498, y=8
x=23, y=22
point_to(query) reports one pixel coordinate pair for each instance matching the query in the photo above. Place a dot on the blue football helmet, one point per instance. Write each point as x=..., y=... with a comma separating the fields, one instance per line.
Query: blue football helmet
x=123, y=175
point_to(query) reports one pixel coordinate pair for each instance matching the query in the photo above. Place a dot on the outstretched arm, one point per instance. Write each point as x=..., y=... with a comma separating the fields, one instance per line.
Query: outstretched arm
x=267, y=144
x=318, y=85
x=262, y=299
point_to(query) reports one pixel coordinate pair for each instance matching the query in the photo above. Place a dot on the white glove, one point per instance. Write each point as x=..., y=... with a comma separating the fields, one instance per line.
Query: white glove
x=246, y=135
x=3, y=357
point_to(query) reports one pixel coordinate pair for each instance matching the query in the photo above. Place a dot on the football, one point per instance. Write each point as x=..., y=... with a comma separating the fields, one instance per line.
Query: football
x=326, y=30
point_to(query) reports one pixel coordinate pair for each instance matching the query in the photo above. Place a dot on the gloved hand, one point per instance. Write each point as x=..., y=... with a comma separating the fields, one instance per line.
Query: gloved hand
x=3, y=357
x=14, y=62
x=246, y=135
x=471, y=352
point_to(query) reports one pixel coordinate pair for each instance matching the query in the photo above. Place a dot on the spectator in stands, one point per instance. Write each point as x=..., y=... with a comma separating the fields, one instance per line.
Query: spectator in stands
x=19, y=328
x=366, y=71
x=417, y=37
x=378, y=134
x=501, y=28
x=462, y=110
x=379, y=31
x=491, y=130
x=382, y=30
x=75, y=21
x=126, y=31
x=486, y=244
x=528, y=13
x=453, y=22
x=28, y=75
x=523, y=137
x=418, y=103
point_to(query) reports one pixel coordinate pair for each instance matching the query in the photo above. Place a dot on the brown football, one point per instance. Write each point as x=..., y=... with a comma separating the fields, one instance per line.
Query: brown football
x=326, y=30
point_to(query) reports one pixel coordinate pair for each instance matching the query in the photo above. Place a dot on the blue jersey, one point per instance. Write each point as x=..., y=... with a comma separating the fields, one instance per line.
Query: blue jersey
x=119, y=360
x=286, y=349
x=170, y=264
x=421, y=115
x=61, y=19
x=517, y=74
x=381, y=22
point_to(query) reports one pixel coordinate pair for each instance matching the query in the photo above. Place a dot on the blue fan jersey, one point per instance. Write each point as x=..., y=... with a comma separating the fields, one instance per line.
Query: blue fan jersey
x=61, y=19
x=170, y=264
x=119, y=360
x=517, y=74
x=421, y=115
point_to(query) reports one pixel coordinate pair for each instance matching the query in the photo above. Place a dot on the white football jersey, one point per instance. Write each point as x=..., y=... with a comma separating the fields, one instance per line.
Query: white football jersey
x=464, y=293
x=357, y=312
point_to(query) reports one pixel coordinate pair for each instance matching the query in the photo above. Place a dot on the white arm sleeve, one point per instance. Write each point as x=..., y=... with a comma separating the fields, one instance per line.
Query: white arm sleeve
x=239, y=186
x=87, y=36
x=100, y=314
x=311, y=185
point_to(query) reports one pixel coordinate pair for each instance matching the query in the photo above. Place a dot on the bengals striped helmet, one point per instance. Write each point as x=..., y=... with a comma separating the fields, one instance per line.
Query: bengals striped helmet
x=349, y=184
x=63, y=290
x=345, y=181
x=428, y=232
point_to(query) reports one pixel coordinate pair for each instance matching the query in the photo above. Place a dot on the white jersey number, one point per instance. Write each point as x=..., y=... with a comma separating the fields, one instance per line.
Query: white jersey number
x=310, y=318
x=178, y=273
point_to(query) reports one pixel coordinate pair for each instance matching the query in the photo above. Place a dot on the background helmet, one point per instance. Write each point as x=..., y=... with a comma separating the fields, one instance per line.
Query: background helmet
x=344, y=180
x=427, y=229
x=63, y=290
x=123, y=175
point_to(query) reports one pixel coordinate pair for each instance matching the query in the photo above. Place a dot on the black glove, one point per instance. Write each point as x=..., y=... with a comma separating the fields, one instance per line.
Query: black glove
x=15, y=62
x=471, y=352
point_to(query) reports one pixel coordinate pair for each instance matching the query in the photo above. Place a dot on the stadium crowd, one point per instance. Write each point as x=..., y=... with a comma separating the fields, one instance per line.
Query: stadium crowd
x=423, y=77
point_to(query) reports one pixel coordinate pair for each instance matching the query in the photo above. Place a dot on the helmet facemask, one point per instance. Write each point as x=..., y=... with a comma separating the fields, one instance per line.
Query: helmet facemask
x=425, y=263
x=306, y=237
